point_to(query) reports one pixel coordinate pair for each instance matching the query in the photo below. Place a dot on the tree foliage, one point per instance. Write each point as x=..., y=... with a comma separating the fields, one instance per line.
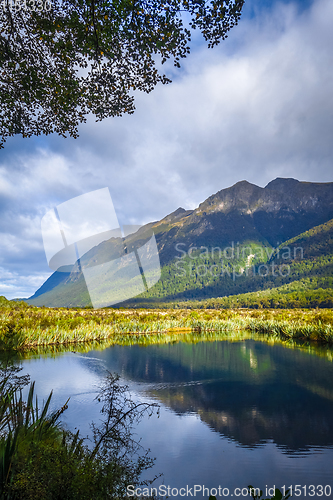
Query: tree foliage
x=63, y=59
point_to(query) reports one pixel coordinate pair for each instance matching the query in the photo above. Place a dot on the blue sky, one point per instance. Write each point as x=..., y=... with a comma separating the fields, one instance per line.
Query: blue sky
x=257, y=107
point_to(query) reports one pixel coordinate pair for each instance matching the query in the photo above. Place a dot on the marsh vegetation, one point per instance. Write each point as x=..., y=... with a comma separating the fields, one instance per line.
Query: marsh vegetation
x=25, y=327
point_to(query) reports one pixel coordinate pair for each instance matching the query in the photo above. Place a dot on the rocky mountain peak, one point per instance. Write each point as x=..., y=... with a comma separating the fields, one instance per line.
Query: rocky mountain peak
x=176, y=215
x=282, y=184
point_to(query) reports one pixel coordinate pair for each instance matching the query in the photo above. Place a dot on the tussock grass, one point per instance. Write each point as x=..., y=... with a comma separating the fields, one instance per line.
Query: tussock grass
x=294, y=330
x=25, y=327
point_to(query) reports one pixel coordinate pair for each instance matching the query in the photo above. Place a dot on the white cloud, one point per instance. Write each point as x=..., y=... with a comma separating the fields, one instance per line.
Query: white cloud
x=14, y=285
x=261, y=112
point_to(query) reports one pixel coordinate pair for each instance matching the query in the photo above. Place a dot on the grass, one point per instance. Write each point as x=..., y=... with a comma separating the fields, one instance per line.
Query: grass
x=24, y=327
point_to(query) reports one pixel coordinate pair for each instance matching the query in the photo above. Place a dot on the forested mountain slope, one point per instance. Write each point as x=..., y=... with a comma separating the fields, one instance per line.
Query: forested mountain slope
x=242, y=239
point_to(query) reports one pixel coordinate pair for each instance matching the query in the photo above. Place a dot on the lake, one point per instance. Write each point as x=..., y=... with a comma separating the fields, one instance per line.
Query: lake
x=232, y=413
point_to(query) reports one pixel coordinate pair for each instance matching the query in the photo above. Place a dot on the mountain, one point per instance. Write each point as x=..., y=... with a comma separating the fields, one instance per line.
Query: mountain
x=218, y=248
x=308, y=283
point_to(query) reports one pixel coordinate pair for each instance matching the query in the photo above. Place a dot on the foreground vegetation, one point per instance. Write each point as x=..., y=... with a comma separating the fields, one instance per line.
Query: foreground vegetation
x=39, y=459
x=25, y=327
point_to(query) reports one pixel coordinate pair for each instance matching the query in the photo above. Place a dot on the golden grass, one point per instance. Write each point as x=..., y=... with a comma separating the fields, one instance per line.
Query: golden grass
x=28, y=327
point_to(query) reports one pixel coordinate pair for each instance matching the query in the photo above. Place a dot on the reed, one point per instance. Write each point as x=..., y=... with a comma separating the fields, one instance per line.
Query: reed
x=294, y=330
x=27, y=327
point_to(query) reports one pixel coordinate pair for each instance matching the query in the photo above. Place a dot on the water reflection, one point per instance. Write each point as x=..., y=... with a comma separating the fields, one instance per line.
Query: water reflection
x=248, y=391
x=235, y=412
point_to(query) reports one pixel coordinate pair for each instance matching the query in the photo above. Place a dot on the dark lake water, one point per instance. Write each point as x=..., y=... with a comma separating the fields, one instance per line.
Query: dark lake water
x=232, y=413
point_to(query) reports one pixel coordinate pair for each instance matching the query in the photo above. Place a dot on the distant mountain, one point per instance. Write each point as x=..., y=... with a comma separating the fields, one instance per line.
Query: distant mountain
x=232, y=233
x=281, y=210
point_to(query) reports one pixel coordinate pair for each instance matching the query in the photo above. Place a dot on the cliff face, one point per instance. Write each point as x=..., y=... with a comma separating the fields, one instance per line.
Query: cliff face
x=281, y=210
x=280, y=194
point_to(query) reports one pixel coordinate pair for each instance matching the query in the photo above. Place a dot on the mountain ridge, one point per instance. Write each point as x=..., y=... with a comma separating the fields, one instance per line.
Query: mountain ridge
x=243, y=213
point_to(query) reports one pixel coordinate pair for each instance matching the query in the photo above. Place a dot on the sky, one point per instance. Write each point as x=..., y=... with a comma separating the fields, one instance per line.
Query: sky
x=257, y=107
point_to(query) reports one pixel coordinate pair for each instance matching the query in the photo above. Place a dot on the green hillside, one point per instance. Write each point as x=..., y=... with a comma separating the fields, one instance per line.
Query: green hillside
x=309, y=282
x=68, y=293
x=306, y=259
x=309, y=292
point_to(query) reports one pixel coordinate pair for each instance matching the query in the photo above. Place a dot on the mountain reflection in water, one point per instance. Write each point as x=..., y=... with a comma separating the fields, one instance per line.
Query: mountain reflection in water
x=248, y=391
